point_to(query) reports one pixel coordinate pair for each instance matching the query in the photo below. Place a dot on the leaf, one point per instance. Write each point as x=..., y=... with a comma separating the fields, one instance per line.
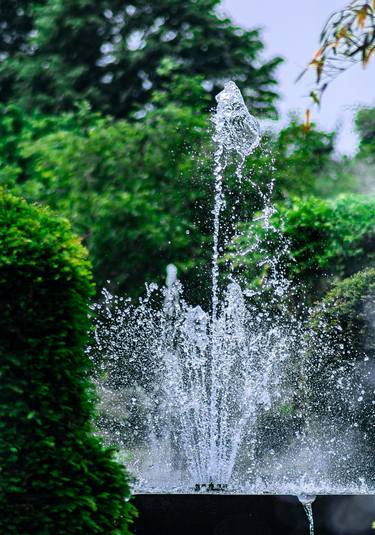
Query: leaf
x=318, y=53
x=301, y=75
x=342, y=32
x=319, y=69
x=315, y=97
x=367, y=55
x=361, y=17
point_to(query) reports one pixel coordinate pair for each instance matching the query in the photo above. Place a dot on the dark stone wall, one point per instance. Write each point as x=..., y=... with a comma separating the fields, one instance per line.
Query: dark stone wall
x=252, y=515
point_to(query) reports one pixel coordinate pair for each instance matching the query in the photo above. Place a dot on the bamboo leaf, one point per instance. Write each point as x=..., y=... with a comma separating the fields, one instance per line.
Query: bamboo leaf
x=319, y=69
x=315, y=97
x=361, y=17
x=318, y=53
x=368, y=54
x=301, y=75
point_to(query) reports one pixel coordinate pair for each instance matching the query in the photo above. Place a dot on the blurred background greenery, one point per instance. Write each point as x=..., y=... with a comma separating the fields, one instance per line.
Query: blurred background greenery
x=104, y=117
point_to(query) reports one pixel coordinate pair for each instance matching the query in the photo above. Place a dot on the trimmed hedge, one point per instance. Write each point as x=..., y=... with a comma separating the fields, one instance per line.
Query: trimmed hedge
x=56, y=477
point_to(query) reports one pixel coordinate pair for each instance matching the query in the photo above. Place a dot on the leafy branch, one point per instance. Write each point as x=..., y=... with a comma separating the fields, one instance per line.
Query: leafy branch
x=348, y=38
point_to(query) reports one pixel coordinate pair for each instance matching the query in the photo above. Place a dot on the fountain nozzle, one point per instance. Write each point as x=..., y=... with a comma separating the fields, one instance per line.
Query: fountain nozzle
x=210, y=487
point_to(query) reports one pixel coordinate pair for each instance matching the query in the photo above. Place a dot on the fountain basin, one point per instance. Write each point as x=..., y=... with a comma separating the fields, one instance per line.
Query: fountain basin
x=223, y=514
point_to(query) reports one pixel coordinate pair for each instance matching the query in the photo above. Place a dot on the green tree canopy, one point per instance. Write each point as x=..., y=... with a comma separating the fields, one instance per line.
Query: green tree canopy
x=109, y=52
x=302, y=161
x=365, y=126
x=134, y=191
x=140, y=193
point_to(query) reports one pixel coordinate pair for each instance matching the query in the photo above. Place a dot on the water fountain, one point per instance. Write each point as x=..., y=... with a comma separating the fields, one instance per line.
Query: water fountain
x=216, y=401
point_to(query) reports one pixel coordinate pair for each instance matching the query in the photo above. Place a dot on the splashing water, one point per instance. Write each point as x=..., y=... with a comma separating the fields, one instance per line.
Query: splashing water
x=235, y=131
x=210, y=401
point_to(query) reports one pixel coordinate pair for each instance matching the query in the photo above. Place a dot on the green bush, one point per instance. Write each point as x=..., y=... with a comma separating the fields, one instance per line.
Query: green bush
x=56, y=478
x=344, y=320
x=329, y=240
x=339, y=367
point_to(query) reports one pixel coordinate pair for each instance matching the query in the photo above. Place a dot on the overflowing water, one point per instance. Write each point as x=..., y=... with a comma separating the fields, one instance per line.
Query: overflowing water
x=227, y=399
x=307, y=501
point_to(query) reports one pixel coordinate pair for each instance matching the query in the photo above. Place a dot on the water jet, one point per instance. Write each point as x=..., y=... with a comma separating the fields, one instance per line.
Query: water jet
x=210, y=402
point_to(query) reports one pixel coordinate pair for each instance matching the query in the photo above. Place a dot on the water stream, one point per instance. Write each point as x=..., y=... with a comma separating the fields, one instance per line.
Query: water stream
x=307, y=501
x=235, y=131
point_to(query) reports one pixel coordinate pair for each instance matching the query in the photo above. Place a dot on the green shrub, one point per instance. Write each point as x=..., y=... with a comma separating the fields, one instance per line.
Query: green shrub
x=339, y=367
x=344, y=320
x=328, y=240
x=56, y=478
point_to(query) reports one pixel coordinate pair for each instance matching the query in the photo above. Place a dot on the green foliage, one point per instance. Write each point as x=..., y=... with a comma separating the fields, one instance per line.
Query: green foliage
x=365, y=126
x=126, y=187
x=344, y=319
x=302, y=162
x=301, y=157
x=140, y=193
x=329, y=239
x=110, y=53
x=339, y=366
x=56, y=478
x=16, y=23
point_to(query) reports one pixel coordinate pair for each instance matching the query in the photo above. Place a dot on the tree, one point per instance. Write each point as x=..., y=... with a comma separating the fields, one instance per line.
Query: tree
x=135, y=191
x=140, y=193
x=16, y=23
x=109, y=53
x=302, y=161
x=361, y=165
x=347, y=38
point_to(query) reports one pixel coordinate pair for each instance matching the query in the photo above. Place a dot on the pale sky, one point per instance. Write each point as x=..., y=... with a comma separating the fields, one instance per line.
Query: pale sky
x=291, y=29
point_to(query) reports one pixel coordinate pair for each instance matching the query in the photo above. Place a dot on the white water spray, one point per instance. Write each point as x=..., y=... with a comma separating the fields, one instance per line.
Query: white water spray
x=208, y=400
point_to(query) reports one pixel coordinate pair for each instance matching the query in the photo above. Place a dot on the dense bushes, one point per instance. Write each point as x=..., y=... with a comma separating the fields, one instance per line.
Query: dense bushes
x=55, y=478
x=329, y=240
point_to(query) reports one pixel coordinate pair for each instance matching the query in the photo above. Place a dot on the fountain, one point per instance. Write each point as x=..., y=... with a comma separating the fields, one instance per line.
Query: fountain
x=219, y=401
